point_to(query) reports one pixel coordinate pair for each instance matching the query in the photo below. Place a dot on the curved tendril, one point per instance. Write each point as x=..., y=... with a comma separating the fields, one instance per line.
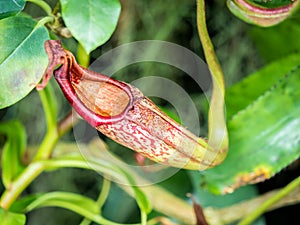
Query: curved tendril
x=217, y=133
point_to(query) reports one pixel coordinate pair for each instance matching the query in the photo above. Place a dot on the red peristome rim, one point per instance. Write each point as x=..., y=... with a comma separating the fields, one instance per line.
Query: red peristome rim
x=92, y=118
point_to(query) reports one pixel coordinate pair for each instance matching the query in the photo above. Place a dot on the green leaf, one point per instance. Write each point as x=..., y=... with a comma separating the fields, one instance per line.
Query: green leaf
x=278, y=41
x=10, y=7
x=21, y=204
x=264, y=138
x=79, y=204
x=242, y=94
x=75, y=202
x=13, y=150
x=22, y=58
x=94, y=23
x=9, y=218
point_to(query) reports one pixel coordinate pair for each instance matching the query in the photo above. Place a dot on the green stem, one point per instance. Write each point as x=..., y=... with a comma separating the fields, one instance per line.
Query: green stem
x=217, y=133
x=49, y=105
x=44, y=152
x=85, y=221
x=208, y=47
x=143, y=218
x=17, y=187
x=264, y=207
x=101, y=220
x=82, y=56
x=43, y=5
x=50, y=108
x=104, y=192
x=43, y=21
x=101, y=199
x=47, y=145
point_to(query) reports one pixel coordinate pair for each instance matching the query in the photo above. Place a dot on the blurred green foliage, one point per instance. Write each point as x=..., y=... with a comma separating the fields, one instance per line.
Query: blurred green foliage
x=241, y=49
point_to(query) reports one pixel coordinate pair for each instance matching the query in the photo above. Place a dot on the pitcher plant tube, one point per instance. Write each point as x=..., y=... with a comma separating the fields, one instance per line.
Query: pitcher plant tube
x=122, y=113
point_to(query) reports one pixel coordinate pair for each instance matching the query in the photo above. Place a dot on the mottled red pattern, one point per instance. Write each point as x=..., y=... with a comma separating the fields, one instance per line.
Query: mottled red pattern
x=132, y=120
